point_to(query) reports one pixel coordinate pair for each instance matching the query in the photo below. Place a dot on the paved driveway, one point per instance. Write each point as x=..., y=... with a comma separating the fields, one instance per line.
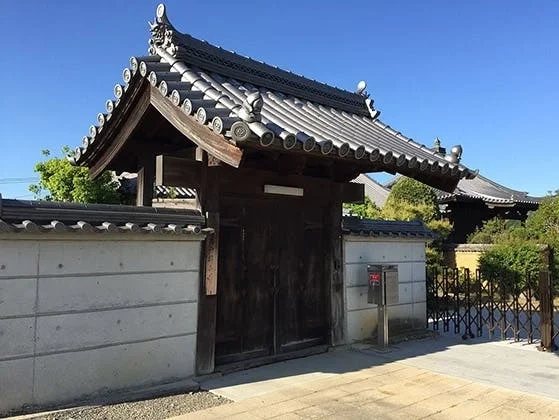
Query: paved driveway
x=436, y=378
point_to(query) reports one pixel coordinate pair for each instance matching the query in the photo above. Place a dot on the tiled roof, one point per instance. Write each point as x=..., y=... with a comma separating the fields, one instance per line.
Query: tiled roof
x=245, y=100
x=488, y=191
x=129, y=182
x=375, y=191
x=48, y=216
x=386, y=228
x=481, y=188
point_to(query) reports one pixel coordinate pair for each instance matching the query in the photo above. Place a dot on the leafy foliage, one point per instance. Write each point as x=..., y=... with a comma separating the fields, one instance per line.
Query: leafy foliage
x=512, y=262
x=412, y=200
x=366, y=210
x=544, y=223
x=517, y=251
x=410, y=191
x=59, y=180
x=497, y=230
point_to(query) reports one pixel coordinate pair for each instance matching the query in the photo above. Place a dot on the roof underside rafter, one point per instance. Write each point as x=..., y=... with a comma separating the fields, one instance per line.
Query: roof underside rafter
x=225, y=103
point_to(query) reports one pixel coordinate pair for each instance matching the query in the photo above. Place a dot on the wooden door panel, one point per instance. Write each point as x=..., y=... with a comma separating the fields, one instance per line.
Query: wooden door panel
x=272, y=285
x=260, y=260
x=229, y=326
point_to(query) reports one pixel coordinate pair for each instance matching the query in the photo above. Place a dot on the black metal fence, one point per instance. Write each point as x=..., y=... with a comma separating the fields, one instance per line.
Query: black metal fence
x=472, y=304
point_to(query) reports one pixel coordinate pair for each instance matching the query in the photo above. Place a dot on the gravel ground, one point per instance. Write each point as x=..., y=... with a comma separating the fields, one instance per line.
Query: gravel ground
x=152, y=409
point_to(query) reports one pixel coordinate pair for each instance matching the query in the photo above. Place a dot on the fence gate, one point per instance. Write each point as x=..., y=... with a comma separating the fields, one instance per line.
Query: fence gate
x=473, y=305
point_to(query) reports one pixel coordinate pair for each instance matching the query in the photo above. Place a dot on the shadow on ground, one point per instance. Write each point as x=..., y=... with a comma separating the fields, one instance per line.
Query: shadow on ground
x=513, y=365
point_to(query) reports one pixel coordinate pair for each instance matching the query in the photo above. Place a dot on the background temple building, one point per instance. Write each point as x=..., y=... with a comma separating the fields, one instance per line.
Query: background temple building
x=471, y=203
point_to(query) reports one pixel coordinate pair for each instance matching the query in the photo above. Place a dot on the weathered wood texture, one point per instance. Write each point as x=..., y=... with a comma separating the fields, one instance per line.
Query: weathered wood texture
x=334, y=261
x=273, y=289
x=177, y=172
x=123, y=124
x=146, y=177
x=352, y=192
x=212, y=143
x=546, y=308
x=207, y=304
x=212, y=254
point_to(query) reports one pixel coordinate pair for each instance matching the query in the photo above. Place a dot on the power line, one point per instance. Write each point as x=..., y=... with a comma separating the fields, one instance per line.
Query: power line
x=17, y=180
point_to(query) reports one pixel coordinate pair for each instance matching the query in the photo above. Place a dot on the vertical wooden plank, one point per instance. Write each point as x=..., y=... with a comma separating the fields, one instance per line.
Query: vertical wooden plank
x=546, y=312
x=334, y=240
x=212, y=254
x=207, y=303
x=146, y=178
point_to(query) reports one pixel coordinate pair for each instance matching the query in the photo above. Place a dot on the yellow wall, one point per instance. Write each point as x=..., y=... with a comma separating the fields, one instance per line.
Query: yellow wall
x=467, y=255
x=462, y=259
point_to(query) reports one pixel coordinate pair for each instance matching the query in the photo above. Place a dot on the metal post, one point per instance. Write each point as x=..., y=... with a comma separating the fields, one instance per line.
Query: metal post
x=382, y=338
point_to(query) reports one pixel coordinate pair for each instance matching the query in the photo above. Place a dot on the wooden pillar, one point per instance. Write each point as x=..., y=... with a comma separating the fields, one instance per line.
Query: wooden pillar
x=207, y=303
x=335, y=261
x=146, y=178
x=546, y=312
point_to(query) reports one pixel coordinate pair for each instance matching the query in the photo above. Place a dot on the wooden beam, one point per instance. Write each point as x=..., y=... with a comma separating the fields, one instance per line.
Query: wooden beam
x=146, y=176
x=207, y=303
x=546, y=312
x=212, y=143
x=177, y=172
x=353, y=192
x=213, y=161
x=129, y=116
x=212, y=254
x=335, y=264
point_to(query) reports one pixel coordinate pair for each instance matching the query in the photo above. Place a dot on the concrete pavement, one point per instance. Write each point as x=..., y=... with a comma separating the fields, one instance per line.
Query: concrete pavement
x=435, y=378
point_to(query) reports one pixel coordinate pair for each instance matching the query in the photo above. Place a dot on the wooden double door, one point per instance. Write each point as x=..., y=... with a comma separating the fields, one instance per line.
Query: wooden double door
x=273, y=287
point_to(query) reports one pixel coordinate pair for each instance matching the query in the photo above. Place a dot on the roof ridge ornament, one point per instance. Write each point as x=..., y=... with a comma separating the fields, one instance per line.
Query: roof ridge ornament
x=162, y=32
x=251, y=108
x=361, y=86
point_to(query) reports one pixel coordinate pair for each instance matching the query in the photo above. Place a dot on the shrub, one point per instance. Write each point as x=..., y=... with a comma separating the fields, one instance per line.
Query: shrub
x=512, y=262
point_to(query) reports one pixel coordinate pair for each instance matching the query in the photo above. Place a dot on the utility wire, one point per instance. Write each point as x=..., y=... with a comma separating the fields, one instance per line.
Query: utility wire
x=4, y=181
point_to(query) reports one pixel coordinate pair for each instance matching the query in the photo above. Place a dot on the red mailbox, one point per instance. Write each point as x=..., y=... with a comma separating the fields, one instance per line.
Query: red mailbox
x=374, y=294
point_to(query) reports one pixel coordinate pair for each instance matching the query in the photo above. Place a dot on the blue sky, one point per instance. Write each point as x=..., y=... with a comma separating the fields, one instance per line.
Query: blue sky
x=481, y=73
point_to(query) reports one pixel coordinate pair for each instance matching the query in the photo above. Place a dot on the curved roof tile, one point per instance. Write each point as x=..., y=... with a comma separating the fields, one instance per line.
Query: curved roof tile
x=238, y=97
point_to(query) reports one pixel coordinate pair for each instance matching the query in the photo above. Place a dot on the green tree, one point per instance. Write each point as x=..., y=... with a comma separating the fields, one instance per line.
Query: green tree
x=410, y=191
x=497, y=230
x=59, y=180
x=366, y=210
x=517, y=251
x=411, y=200
x=544, y=222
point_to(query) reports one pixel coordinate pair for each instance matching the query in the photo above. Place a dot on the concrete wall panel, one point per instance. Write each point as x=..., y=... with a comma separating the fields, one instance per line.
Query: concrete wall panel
x=16, y=384
x=71, y=257
x=98, y=371
x=418, y=272
x=356, y=274
x=361, y=317
x=419, y=292
x=18, y=258
x=361, y=324
x=382, y=252
x=110, y=315
x=16, y=337
x=119, y=290
x=356, y=298
x=17, y=297
x=79, y=330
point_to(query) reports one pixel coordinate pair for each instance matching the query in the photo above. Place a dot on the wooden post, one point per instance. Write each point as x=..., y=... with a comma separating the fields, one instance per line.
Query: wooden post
x=146, y=177
x=212, y=254
x=207, y=303
x=546, y=312
x=335, y=260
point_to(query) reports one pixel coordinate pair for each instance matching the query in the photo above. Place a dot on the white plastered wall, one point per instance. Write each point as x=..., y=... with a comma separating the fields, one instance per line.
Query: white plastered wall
x=410, y=312
x=86, y=314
